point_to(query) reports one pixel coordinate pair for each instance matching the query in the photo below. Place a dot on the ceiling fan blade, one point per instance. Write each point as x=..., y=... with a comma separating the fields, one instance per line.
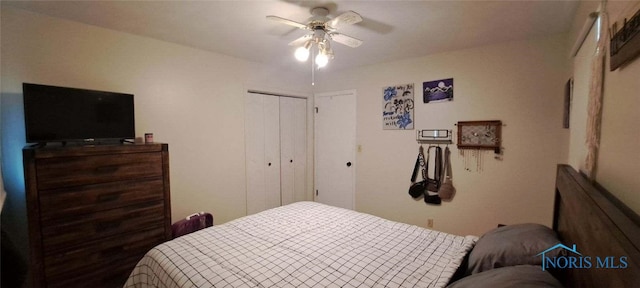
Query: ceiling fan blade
x=345, y=40
x=287, y=21
x=346, y=18
x=300, y=41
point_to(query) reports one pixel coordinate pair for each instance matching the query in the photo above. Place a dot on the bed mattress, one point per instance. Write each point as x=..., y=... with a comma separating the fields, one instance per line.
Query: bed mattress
x=305, y=244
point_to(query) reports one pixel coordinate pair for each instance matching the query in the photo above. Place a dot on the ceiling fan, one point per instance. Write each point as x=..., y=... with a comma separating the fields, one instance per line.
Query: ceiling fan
x=323, y=31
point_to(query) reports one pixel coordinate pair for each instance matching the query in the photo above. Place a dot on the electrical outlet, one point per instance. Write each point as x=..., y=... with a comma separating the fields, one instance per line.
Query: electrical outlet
x=429, y=223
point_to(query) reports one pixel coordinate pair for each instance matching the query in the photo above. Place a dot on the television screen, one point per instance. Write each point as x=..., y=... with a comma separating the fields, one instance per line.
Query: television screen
x=60, y=114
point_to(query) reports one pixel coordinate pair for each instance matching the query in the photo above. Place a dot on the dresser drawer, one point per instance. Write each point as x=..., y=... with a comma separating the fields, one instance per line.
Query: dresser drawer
x=97, y=259
x=74, y=171
x=99, y=197
x=61, y=233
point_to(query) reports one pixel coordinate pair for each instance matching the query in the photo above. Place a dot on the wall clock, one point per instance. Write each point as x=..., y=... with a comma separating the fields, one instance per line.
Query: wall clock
x=480, y=135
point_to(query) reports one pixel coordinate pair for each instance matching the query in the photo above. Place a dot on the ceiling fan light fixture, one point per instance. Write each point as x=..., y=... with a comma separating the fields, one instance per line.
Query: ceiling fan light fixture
x=321, y=60
x=323, y=31
x=302, y=52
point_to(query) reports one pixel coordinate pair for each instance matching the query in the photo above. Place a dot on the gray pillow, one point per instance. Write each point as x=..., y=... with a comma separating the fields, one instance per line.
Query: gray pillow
x=512, y=245
x=514, y=276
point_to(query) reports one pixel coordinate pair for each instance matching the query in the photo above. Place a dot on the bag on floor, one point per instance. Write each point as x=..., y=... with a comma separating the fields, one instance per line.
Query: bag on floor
x=192, y=223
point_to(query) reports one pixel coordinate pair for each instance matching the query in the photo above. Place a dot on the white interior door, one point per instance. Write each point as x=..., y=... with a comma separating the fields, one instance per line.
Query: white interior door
x=293, y=149
x=300, y=153
x=262, y=148
x=335, y=138
x=272, y=151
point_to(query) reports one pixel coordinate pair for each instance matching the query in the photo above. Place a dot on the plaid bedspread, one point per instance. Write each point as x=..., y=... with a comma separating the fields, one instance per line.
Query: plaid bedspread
x=305, y=244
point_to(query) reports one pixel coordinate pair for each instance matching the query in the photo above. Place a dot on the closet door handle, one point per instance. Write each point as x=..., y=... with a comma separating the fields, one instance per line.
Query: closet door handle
x=269, y=164
x=349, y=164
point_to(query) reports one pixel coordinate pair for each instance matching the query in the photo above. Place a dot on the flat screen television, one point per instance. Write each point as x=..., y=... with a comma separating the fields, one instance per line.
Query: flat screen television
x=61, y=114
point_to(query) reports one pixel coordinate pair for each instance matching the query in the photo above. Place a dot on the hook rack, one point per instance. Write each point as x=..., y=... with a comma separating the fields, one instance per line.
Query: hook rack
x=434, y=136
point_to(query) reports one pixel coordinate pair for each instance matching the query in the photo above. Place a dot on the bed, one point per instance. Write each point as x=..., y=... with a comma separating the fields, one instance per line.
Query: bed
x=307, y=244
x=599, y=225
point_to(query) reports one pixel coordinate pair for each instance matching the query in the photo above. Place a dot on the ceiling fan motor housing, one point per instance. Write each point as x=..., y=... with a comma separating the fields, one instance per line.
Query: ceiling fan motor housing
x=319, y=35
x=320, y=12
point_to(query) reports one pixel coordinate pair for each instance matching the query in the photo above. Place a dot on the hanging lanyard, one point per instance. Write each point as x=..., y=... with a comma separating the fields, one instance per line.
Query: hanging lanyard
x=419, y=163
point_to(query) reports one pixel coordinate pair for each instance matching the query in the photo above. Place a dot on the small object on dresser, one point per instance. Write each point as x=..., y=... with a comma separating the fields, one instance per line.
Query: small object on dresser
x=148, y=138
x=192, y=223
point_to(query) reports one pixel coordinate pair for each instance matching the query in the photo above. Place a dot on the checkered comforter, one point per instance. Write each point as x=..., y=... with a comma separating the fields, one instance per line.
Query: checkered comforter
x=305, y=244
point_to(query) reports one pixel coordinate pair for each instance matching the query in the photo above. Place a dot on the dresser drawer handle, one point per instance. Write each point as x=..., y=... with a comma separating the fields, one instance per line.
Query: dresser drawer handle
x=105, y=169
x=108, y=197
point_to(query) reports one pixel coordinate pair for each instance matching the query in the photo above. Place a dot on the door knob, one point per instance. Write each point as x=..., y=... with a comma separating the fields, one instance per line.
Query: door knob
x=348, y=164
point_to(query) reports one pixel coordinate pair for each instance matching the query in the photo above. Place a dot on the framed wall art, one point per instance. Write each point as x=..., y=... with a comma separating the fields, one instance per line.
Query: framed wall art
x=480, y=135
x=566, y=115
x=624, y=45
x=437, y=91
x=397, y=107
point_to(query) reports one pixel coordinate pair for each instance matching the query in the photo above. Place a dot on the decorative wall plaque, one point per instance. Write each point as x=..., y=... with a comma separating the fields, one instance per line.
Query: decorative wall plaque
x=480, y=135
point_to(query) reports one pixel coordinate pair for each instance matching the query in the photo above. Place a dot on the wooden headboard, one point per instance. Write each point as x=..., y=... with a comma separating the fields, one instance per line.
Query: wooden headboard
x=600, y=226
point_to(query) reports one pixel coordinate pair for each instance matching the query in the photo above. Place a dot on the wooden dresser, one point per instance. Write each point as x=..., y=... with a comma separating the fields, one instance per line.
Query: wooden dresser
x=94, y=211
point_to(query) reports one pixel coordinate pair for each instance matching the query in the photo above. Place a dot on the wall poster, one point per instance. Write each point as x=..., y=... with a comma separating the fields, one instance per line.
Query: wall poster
x=438, y=91
x=397, y=103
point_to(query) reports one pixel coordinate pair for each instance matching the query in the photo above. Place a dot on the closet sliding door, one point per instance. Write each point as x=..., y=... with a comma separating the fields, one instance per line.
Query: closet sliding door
x=293, y=149
x=262, y=145
x=275, y=137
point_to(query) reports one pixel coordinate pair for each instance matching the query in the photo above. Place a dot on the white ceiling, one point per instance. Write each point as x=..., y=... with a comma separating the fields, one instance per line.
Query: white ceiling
x=391, y=30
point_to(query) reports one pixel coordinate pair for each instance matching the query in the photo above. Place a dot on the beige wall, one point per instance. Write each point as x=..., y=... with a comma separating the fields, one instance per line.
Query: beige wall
x=520, y=83
x=191, y=99
x=618, y=158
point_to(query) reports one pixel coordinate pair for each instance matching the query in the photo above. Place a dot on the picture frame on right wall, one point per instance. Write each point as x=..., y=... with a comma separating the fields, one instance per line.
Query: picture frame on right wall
x=624, y=45
x=568, y=95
